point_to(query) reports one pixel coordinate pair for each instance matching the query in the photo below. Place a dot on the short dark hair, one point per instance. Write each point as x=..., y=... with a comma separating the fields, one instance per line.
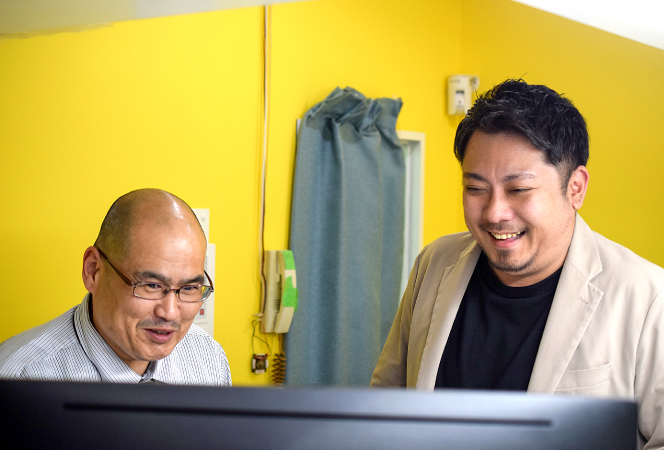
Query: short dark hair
x=549, y=121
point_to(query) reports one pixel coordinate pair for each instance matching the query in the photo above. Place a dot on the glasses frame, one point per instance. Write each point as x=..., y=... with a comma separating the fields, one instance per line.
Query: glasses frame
x=128, y=282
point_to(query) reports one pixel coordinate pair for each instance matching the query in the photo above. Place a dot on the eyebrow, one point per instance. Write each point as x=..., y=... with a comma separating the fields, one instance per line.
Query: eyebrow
x=146, y=274
x=511, y=177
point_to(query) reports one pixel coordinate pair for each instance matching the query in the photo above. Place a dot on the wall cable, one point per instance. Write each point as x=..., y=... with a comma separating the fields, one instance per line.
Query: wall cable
x=254, y=337
x=279, y=361
x=266, y=91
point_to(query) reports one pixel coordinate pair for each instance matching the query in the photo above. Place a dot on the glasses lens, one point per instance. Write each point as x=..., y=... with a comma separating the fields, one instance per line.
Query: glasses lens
x=156, y=291
x=150, y=291
x=194, y=293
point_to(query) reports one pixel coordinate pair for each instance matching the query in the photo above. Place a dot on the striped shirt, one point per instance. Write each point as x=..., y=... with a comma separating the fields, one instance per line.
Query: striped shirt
x=69, y=348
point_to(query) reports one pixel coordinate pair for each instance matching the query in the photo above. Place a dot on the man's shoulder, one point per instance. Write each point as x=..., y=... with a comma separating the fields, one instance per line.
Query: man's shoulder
x=448, y=249
x=622, y=264
x=457, y=241
x=198, y=336
x=197, y=340
x=37, y=344
x=203, y=357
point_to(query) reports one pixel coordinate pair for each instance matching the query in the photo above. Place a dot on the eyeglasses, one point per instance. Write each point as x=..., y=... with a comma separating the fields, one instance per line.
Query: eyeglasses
x=190, y=293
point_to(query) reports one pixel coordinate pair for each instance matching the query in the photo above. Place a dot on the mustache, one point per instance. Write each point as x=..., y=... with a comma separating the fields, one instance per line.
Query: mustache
x=156, y=323
x=500, y=227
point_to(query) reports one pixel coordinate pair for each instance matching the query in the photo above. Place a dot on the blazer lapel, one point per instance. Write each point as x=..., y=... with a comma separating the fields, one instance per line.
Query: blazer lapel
x=450, y=293
x=573, y=306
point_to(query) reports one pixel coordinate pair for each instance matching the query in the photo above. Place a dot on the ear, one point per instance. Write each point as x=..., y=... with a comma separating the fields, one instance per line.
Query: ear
x=577, y=187
x=91, y=266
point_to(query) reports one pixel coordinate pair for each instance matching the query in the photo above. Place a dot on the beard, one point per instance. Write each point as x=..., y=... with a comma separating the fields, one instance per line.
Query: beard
x=503, y=264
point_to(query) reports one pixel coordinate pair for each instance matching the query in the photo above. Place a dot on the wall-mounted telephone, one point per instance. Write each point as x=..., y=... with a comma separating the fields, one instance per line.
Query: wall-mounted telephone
x=280, y=291
x=459, y=93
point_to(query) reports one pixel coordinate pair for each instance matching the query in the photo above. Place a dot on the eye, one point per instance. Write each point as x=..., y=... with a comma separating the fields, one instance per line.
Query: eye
x=474, y=190
x=190, y=289
x=519, y=190
x=152, y=286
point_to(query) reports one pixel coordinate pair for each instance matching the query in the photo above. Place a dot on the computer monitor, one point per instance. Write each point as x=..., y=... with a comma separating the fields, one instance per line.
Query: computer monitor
x=99, y=416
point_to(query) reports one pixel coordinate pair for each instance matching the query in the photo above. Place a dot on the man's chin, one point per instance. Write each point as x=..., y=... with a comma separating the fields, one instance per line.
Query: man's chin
x=156, y=352
x=508, y=264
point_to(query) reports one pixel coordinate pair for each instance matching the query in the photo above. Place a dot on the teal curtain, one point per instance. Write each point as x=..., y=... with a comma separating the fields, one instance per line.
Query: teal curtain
x=347, y=226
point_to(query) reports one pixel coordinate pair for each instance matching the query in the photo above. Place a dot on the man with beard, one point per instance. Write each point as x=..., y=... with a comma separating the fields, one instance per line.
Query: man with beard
x=530, y=298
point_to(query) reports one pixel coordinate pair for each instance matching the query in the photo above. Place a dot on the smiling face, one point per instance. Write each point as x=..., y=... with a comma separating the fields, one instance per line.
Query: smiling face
x=515, y=208
x=169, y=251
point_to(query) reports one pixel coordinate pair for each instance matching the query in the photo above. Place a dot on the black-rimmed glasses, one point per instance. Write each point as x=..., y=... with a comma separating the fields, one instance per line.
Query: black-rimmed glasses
x=146, y=290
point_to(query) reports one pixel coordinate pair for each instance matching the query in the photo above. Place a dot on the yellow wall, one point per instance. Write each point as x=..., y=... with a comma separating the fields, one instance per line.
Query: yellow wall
x=616, y=84
x=384, y=48
x=86, y=116
x=89, y=115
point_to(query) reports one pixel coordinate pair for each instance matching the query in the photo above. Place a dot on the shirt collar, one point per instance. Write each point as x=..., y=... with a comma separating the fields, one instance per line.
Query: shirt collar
x=109, y=365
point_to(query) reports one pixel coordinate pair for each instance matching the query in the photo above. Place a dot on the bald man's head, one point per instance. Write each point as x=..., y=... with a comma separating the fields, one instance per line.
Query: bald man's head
x=149, y=237
x=140, y=208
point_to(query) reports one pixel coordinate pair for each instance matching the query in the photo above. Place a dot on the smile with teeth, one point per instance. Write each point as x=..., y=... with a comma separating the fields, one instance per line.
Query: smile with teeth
x=502, y=237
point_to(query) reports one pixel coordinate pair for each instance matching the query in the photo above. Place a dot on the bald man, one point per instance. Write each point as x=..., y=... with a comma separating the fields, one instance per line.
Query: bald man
x=145, y=280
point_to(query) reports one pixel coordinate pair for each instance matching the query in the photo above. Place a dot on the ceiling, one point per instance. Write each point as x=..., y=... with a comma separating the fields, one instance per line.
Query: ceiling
x=639, y=20
x=38, y=16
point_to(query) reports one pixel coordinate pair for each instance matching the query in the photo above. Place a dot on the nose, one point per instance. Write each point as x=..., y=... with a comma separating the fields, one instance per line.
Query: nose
x=498, y=209
x=167, y=307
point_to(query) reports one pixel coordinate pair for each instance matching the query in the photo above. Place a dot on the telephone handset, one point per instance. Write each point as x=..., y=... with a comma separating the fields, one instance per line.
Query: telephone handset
x=280, y=291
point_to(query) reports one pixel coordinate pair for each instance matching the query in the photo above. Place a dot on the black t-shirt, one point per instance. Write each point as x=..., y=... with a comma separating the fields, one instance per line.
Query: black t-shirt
x=496, y=333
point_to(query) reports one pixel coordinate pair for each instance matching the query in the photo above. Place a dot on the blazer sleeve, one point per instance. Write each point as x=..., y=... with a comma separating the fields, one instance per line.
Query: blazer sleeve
x=392, y=364
x=649, y=376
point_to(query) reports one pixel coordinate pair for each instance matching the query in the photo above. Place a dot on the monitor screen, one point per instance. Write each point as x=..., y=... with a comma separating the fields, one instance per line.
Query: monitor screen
x=39, y=414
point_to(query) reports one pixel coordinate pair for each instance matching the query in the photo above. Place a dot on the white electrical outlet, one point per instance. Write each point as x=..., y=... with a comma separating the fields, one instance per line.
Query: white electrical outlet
x=205, y=316
x=203, y=216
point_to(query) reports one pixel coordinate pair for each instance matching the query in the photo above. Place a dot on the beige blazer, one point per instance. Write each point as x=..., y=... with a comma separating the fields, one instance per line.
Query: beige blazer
x=604, y=335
